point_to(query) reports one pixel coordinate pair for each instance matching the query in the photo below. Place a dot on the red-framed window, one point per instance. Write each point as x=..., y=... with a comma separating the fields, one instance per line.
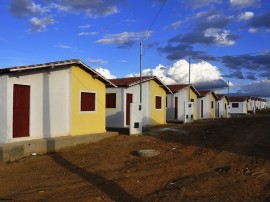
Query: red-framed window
x=88, y=101
x=111, y=100
x=158, y=102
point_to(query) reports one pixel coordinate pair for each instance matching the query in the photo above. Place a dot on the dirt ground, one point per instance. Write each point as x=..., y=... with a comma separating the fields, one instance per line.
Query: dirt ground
x=209, y=160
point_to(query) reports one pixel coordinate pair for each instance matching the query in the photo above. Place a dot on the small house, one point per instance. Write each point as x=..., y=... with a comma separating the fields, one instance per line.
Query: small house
x=206, y=104
x=119, y=99
x=179, y=103
x=62, y=98
x=239, y=105
x=222, y=106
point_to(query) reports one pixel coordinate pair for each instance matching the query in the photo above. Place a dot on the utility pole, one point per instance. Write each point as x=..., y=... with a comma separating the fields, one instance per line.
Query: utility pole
x=140, y=75
x=189, y=79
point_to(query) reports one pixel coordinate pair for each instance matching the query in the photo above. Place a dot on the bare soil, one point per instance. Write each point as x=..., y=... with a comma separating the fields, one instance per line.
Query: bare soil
x=208, y=160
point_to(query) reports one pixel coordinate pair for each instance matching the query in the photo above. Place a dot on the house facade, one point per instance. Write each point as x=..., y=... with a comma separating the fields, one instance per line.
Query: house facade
x=178, y=103
x=206, y=104
x=54, y=99
x=153, y=104
x=222, y=106
x=239, y=105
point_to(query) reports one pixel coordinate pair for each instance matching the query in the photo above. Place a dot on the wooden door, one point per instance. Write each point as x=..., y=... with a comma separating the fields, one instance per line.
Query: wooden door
x=21, y=110
x=128, y=101
x=176, y=108
x=201, y=108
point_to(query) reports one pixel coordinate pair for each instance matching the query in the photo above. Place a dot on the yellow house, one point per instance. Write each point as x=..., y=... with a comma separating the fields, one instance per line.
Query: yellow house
x=222, y=106
x=88, y=100
x=48, y=100
x=206, y=104
x=178, y=103
x=128, y=91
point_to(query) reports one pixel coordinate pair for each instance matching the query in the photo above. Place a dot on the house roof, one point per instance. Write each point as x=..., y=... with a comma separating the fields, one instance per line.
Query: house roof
x=178, y=87
x=57, y=64
x=237, y=99
x=131, y=81
x=204, y=93
x=220, y=96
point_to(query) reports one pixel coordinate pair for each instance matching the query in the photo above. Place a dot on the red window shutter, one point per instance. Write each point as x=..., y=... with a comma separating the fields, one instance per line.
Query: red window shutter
x=111, y=100
x=88, y=101
x=158, y=102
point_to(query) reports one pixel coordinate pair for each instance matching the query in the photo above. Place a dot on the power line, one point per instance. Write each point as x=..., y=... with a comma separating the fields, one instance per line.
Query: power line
x=150, y=27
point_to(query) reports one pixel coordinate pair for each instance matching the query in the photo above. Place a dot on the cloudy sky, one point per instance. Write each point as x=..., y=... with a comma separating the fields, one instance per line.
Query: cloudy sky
x=227, y=40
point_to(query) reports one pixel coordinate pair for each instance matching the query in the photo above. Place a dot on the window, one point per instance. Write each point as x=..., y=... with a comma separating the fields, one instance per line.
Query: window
x=192, y=100
x=111, y=100
x=212, y=104
x=88, y=101
x=225, y=106
x=158, y=102
x=235, y=105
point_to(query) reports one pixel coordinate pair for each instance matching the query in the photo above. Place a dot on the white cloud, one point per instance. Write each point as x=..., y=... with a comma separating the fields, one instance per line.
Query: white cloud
x=97, y=61
x=105, y=72
x=258, y=88
x=252, y=30
x=40, y=24
x=87, y=33
x=63, y=46
x=220, y=36
x=94, y=8
x=85, y=26
x=244, y=3
x=245, y=16
x=124, y=39
x=26, y=8
x=174, y=25
x=178, y=73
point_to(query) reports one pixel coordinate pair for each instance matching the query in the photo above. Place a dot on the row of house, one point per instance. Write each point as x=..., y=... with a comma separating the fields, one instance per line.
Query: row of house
x=68, y=98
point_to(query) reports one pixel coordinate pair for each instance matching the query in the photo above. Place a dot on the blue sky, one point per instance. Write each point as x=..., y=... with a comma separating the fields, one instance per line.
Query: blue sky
x=226, y=40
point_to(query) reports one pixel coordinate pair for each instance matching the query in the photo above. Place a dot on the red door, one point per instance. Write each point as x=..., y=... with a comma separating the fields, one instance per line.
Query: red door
x=21, y=110
x=201, y=108
x=128, y=101
x=176, y=108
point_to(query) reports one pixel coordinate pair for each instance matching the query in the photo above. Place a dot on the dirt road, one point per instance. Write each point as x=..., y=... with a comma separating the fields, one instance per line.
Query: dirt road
x=209, y=160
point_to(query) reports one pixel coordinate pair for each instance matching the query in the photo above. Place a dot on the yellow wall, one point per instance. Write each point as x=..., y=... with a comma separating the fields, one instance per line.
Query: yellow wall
x=87, y=122
x=157, y=116
x=212, y=111
x=194, y=96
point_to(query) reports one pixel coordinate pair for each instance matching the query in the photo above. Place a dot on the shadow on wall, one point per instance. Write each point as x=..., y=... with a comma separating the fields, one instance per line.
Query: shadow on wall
x=46, y=106
x=115, y=120
x=108, y=187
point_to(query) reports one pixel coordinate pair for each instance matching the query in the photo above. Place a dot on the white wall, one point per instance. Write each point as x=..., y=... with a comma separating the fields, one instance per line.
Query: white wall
x=117, y=117
x=49, y=102
x=3, y=108
x=242, y=108
x=206, y=107
x=182, y=104
x=220, y=110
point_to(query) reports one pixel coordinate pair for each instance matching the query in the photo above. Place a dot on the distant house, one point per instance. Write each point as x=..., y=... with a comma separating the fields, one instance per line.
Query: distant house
x=222, y=106
x=178, y=103
x=206, y=104
x=128, y=91
x=49, y=100
x=239, y=105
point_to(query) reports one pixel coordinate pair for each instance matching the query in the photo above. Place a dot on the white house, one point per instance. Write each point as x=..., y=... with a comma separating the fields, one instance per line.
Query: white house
x=238, y=105
x=49, y=100
x=153, y=105
x=179, y=103
x=222, y=106
x=206, y=104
